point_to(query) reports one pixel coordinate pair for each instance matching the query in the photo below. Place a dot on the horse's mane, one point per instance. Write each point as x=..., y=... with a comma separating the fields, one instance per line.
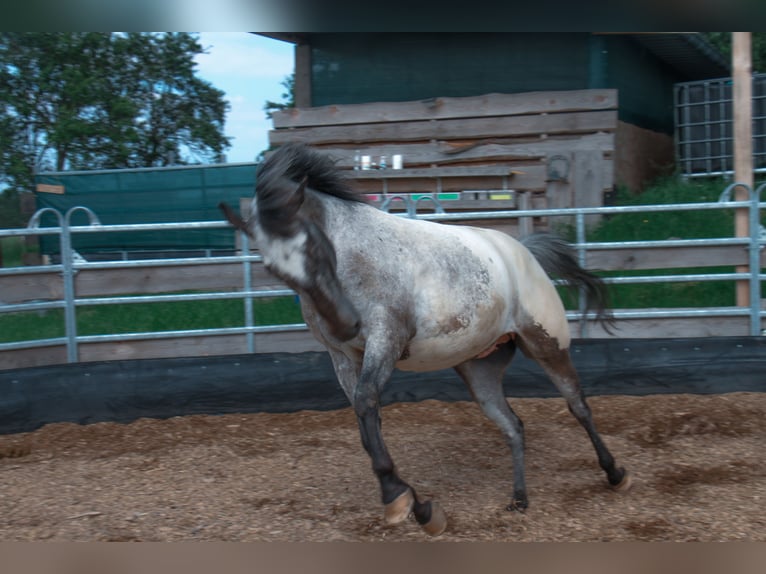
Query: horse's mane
x=295, y=161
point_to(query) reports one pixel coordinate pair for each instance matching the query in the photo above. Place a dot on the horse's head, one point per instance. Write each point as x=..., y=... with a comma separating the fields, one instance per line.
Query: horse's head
x=296, y=249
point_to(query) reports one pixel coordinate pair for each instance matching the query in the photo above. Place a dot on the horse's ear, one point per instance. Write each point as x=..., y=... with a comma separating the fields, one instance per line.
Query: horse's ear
x=234, y=219
x=300, y=191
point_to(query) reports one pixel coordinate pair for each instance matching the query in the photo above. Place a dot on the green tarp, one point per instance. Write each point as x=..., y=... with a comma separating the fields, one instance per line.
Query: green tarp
x=132, y=196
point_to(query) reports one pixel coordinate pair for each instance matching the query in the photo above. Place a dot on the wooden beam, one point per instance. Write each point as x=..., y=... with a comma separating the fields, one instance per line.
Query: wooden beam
x=677, y=327
x=668, y=258
x=743, y=140
x=487, y=105
x=478, y=127
x=302, y=87
x=467, y=151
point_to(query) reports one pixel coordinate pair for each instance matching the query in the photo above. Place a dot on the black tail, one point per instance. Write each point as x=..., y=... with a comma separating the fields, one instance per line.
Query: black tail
x=558, y=259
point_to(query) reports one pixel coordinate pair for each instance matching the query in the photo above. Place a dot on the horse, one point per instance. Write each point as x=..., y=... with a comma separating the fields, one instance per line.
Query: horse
x=383, y=292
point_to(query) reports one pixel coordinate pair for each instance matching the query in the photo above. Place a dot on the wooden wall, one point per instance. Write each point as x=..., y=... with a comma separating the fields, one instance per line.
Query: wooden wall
x=641, y=156
x=528, y=134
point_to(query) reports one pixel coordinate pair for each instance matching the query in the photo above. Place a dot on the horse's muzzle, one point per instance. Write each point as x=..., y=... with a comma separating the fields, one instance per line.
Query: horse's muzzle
x=340, y=314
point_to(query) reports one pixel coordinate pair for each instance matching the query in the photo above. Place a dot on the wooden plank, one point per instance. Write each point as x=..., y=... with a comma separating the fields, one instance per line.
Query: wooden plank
x=586, y=177
x=665, y=258
x=443, y=153
x=32, y=287
x=448, y=108
x=458, y=184
x=288, y=342
x=227, y=276
x=433, y=172
x=451, y=206
x=47, y=188
x=24, y=358
x=677, y=327
x=303, y=341
x=564, y=123
x=528, y=177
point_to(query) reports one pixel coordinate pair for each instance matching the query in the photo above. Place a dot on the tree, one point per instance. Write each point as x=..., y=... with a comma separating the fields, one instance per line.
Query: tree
x=90, y=100
x=288, y=97
x=722, y=42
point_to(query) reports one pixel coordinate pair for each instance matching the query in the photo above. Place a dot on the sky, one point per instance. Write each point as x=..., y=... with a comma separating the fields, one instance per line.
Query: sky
x=250, y=69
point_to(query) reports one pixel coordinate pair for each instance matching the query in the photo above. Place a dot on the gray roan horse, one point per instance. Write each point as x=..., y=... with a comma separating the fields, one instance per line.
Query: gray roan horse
x=383, y=292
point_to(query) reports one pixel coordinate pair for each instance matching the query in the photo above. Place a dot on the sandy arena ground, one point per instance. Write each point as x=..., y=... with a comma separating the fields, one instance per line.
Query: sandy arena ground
x=697, y=462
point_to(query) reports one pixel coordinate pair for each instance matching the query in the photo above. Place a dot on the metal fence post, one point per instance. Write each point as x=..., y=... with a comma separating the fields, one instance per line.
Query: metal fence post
x=247, y=286
x=67, y=276
x=582, y=302
x=68, y=273
x=755, y=260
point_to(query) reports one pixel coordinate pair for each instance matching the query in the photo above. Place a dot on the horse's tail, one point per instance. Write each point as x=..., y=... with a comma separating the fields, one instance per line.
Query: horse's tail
x=558, y=259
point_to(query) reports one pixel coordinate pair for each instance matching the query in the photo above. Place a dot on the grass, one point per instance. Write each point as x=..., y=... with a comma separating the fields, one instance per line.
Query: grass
x=12, y=250
x=134, y=318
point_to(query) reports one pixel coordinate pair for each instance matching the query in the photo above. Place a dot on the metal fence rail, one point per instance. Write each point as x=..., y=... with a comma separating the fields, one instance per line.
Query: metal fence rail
x=70, y=266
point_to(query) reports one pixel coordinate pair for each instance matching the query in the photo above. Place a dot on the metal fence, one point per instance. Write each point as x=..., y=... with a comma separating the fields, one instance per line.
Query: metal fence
x=71, y=265
x=704, y=126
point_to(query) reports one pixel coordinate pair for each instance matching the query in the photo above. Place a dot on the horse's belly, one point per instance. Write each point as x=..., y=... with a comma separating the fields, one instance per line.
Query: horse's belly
x=445, y=351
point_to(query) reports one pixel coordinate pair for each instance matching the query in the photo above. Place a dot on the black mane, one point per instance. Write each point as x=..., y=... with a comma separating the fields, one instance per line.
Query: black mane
x=295, y=161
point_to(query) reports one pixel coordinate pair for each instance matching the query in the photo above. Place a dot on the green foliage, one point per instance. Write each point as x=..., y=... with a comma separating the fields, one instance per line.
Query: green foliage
x=722, y=42
x=10, y=210
x=85, y=100
x=288, y=97
x=12, y=251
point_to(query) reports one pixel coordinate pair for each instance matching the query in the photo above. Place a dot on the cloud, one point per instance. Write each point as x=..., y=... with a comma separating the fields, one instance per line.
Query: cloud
x=250, y=70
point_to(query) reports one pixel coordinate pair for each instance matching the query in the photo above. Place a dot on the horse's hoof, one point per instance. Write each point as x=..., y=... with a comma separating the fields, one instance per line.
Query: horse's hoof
x=625, y=484
x=399, y=509
x=438, y=522
x=517, y=505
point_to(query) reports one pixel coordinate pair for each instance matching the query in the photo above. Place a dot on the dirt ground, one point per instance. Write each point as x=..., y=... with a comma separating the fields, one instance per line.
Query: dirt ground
x=697, y=462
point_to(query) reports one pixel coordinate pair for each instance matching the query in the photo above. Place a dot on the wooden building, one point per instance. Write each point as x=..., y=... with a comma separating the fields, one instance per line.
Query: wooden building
x=558, y=119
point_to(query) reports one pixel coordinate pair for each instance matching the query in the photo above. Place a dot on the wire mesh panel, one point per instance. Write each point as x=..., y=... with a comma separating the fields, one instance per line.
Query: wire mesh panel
x=704, y=126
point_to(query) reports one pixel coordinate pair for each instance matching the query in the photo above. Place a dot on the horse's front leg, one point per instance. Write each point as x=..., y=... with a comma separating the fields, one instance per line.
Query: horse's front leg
x=398, y=497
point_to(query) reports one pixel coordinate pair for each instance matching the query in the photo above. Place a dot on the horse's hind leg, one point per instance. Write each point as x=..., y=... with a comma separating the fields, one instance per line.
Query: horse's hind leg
x=557, y=364
x=484, y=378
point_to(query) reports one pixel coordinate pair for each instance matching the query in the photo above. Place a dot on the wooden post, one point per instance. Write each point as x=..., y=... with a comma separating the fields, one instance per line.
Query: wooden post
x=302, y=86
x=743, y=140
x=526, y=224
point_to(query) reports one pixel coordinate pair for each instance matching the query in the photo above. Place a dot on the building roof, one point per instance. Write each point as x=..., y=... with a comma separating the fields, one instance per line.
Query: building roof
x=687, y=52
